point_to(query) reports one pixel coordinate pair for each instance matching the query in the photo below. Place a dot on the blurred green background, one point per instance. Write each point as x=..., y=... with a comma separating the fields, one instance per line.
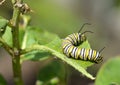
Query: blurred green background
x=64, y=17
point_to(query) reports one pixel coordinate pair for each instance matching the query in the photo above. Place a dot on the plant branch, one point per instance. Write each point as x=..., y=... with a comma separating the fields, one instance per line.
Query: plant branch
x=6, y=46
x=16, y=46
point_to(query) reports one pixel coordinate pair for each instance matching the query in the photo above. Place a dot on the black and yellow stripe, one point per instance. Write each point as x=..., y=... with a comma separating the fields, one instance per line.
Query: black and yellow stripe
x=70, y=48
x=75, y=38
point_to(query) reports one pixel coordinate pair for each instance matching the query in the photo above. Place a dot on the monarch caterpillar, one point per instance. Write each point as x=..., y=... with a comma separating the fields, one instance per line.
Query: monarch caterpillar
x=70, y=48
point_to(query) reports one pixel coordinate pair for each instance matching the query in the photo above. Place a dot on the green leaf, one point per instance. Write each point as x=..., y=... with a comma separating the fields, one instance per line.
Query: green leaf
x=77, y=64
x=36, y=36
x=109, y=73
x=54, y=48
x=3, y=24
x=35, y=56
x=2, y=80
x=7, y=36
x=24, y=21
x=54, y=81
x=51, y=74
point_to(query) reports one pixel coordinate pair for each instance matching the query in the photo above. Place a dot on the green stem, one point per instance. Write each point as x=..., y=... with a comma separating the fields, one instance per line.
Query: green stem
x=36, y=47
x=16, y=46
x=17, y=70
x=6, y=46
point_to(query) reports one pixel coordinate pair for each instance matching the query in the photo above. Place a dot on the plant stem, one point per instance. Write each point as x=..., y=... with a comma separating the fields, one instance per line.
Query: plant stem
x=6, y=46
x=16, y=46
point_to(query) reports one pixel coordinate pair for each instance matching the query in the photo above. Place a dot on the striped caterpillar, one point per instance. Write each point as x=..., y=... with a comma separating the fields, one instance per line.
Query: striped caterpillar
x=70, y=48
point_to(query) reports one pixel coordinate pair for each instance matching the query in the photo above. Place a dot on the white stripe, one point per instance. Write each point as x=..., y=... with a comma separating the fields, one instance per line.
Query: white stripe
x=84, y=54
x=73, y=51
x=81, y=54
x=90, y=54
x=74, y=39
x=66, y=48
x=76, y=51
x=97, y=55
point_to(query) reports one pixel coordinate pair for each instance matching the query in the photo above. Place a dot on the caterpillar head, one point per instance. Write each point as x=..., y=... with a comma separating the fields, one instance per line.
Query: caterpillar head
x=99, y=59
x=83, y=38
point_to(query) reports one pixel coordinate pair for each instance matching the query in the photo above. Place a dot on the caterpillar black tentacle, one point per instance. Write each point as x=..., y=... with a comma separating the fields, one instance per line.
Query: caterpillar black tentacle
x=83, y=26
